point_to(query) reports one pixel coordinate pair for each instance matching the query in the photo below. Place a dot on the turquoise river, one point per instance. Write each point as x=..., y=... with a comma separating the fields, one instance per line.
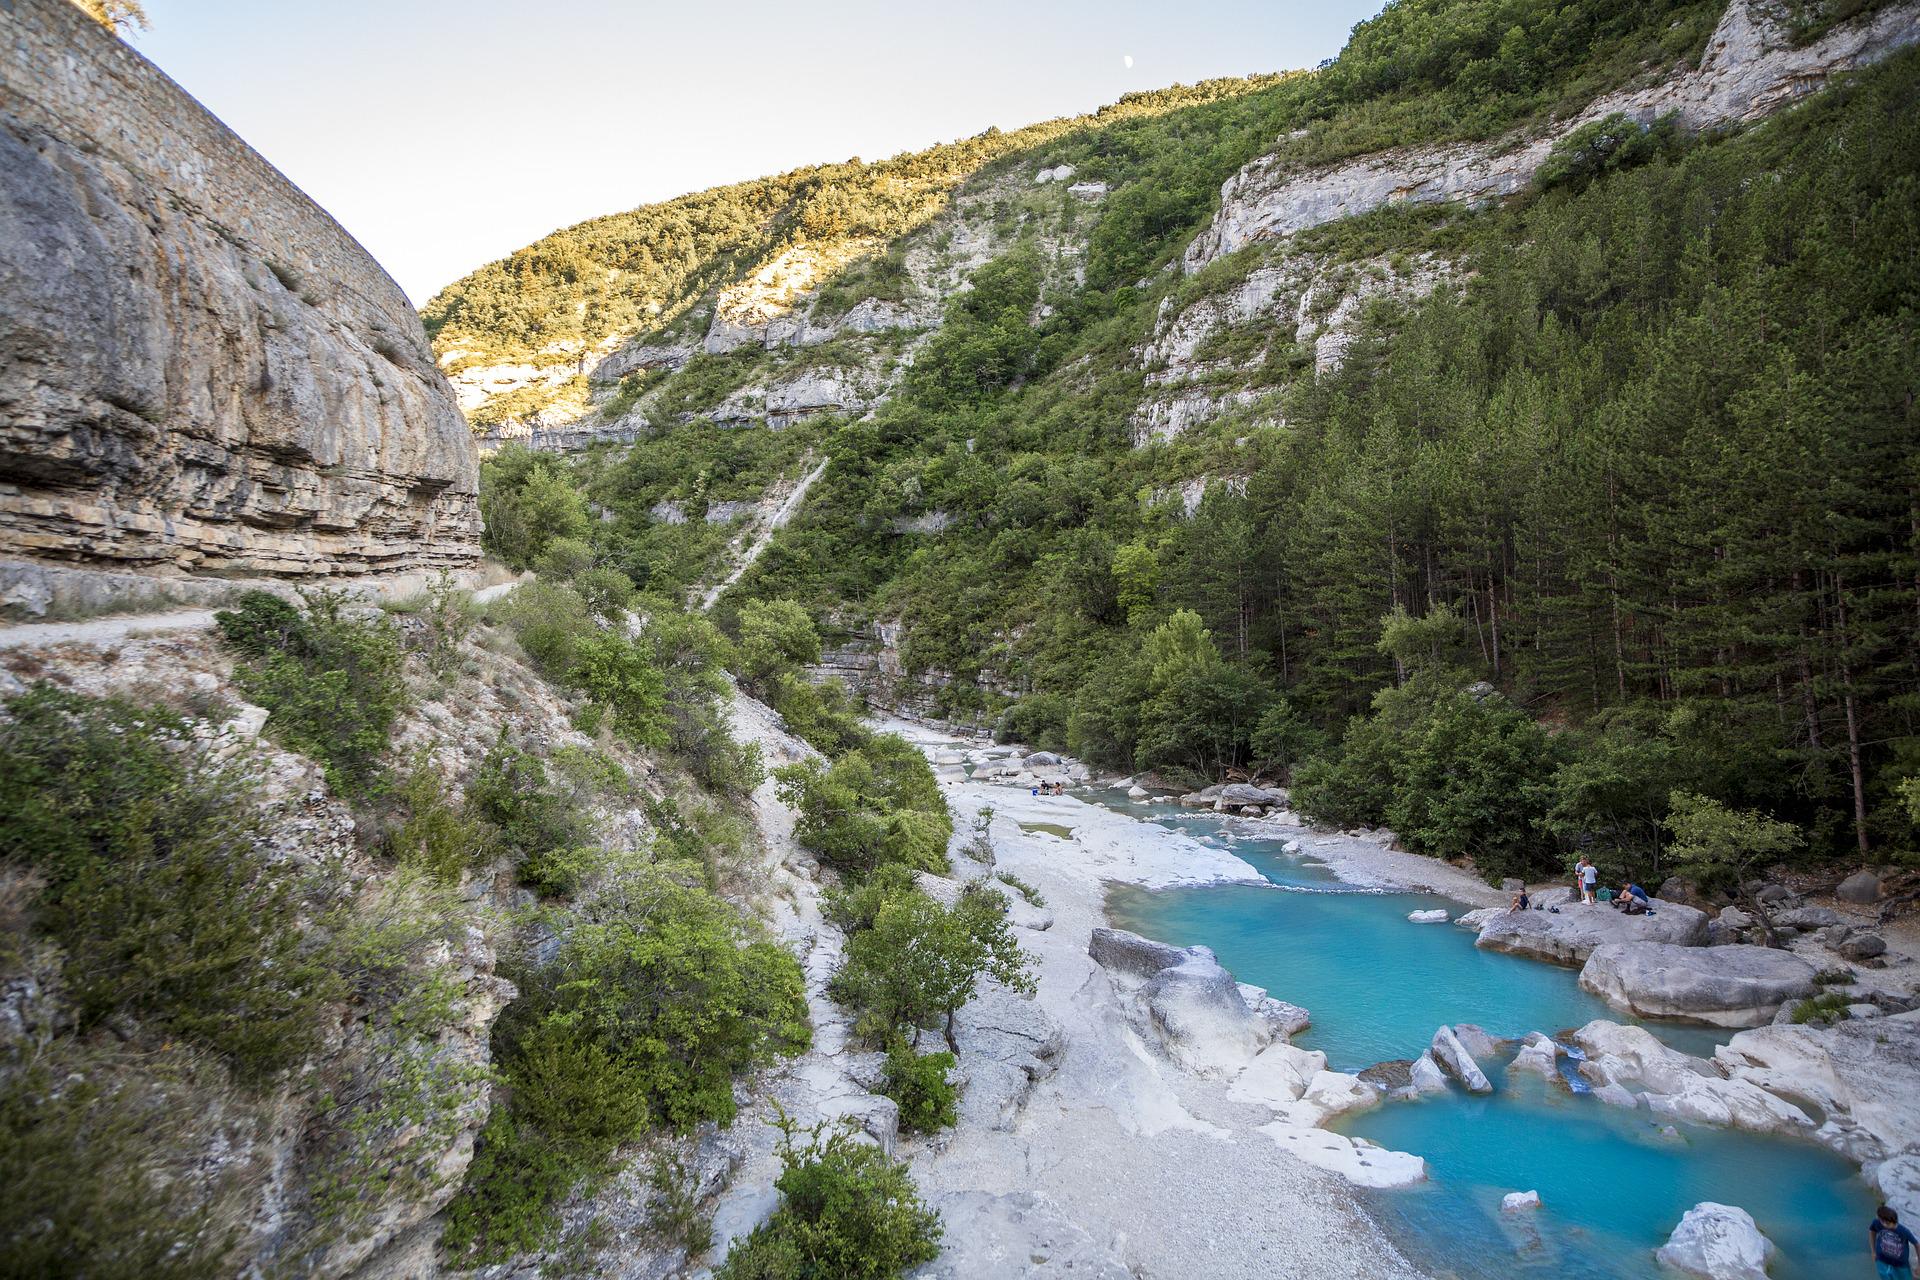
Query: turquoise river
x=1612, y=1182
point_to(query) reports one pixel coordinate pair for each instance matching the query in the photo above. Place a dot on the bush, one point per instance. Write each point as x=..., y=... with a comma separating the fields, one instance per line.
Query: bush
x=875, y=805
x=659, y=995
x=533, y=814
x=849, y=1212
x=332, y=683
x=152, y=882
x=911, y=962
x=87, y=1192
x=1039, y=720
x=556, y=627
x=776, y=638
x=919, y=1083
x=438, y=836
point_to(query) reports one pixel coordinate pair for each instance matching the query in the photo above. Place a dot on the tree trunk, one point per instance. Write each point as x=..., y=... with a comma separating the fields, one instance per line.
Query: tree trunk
x=953, y=1046
x=1853, y=720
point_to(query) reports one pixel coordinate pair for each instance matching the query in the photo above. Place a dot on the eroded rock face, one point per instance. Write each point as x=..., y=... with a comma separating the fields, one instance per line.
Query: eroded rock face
x=1861, y=1077
x=1751, y=68
x=1733, y=986
x=199, y=370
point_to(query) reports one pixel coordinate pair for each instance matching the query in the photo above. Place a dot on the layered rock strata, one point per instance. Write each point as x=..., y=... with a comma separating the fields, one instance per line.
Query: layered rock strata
x=200, y=371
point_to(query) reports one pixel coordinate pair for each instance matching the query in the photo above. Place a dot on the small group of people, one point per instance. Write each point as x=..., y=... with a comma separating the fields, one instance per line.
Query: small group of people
x=1630, y=897
x=1049, y=789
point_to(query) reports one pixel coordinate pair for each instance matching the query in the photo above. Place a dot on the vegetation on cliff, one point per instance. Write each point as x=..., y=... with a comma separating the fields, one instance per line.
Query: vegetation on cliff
x=1644, y=467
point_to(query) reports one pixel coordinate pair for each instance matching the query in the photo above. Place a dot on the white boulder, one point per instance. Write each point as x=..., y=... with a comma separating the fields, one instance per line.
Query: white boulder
x=1732, y=986
x=1538, y=1055
x=1436, y=916
x=1718, y=1242
x=1571, y=934
x=1452, y=1057
x=1516, y=1200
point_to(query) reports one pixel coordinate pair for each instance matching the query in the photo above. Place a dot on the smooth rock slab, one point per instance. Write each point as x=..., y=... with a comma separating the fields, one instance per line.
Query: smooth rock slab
x=1732, y=986
x=1436, y=916
x=1453, y=1058
x=1719, y=1242
x=1570, y=935
x=1118, y=951
x=1021, y=1234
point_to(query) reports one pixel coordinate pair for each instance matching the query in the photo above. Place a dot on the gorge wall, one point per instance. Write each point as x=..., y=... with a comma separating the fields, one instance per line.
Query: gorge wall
x=202, y=375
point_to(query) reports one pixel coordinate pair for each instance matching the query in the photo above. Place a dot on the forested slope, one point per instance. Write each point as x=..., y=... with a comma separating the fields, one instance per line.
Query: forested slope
x=1634, y=446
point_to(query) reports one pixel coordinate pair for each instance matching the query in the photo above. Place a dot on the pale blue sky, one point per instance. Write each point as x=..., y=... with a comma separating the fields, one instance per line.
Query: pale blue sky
x=446, y=133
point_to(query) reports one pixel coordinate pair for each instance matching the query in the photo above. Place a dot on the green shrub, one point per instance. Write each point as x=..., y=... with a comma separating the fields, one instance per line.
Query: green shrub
x=534, y=815
x=911, y=962
x=776, y=638
x=526, y=502
x=848, y=1212
x=875, y=805
x=557, y=629
x=88, y=1191
x=441, y=837
x=1601, y=146
x=1827, y=1007
x=1021, y=887
x=152, y=880
x=659, y=995
x=1039, y=720
x=919, y=1083
x=332, y=683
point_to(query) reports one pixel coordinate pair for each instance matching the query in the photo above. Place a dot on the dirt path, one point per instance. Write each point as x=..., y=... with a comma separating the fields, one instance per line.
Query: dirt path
x=36, y=635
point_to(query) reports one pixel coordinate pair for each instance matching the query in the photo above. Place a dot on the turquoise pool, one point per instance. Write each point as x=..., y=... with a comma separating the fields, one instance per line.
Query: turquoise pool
x=1613, y=1182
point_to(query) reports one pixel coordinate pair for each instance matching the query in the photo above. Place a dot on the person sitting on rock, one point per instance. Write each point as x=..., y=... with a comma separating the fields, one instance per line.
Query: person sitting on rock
x=1892, y=1245
x=1632, y=899
x=1520, y=900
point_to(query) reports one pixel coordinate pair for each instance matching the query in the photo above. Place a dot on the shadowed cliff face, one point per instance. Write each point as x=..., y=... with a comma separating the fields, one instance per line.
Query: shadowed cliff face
x=199, y=370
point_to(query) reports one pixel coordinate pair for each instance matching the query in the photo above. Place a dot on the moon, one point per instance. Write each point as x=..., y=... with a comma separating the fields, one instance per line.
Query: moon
x=1127, y=59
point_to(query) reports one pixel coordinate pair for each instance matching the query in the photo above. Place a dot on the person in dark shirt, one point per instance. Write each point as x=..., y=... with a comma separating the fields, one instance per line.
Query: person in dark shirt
x=1892, y=1245
x=1632, y=899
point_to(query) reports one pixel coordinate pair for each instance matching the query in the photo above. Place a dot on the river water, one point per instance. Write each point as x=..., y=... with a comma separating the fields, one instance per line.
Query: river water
x=1613, y=1182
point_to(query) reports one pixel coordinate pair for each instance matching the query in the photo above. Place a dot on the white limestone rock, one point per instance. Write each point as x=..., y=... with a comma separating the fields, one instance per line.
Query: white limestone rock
x=1862, y=1077
x=1680, y=1086
x=1570, y=935
x=1452, y=1057
x=1717, y=1242
x=1732, y=986
x=1538, y=1055
x=1515, y=1201
x=1436, y=916
x=1428, y=1078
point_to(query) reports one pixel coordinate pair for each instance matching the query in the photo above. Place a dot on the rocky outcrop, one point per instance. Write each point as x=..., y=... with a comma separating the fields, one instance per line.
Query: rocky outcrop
x=1620, y=1059
x=1750, y=69
x=200, y=372
x=1861, y=1077
x=1570, y=935
x=1718, y=1242
x=1734, y=986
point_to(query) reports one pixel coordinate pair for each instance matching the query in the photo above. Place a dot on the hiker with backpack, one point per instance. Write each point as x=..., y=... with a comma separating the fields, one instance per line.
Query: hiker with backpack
x=1892, y=1245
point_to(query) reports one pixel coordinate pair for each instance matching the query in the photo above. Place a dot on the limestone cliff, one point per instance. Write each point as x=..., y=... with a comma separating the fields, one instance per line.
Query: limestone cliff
x=1751, y=69
x=201, y=373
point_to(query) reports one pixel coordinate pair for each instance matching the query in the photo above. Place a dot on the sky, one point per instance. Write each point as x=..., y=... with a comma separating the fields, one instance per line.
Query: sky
x=446, y=133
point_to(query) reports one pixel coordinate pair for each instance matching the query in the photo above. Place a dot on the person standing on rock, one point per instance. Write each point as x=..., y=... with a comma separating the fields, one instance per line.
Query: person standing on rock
x=1892, y=1245
x=1589, y=879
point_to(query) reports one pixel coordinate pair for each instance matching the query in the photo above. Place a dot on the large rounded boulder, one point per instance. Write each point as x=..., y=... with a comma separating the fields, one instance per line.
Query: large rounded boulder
x=1734, y=986
x=1569, y=935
